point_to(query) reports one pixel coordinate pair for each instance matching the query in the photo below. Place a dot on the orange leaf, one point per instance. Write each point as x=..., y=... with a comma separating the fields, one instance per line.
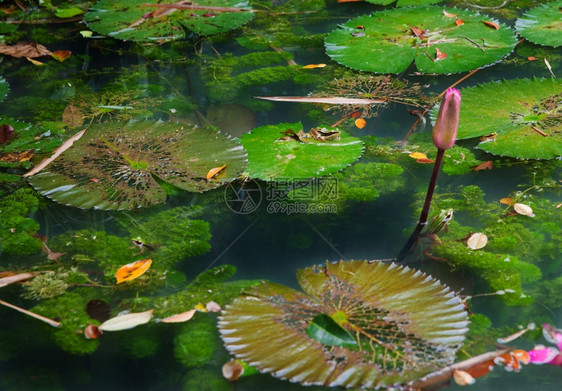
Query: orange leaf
x=491, y=24
x=213, y=172
x=360, y=123
x=35, y=62
x=312, y=66
x=439, y=55
x=425, y=160
x=179, y=318
x=418, y=155
x=416, y=31
x=507, y=201
x=481, y=368
x=61, y=55
x=531, y=58
x=449, y=15
x=488, y=165
x=132, y=270
x=459, y=22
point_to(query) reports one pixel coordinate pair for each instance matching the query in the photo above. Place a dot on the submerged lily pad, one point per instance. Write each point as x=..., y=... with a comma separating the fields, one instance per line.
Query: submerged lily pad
x=522, y=117
x=116, y=165
x=271, y=157
x=388, y=41
x=542, y=25
x=138, y=21
x=389, y=325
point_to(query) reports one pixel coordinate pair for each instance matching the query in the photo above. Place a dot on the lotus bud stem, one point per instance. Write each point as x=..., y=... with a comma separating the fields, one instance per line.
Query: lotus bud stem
x=444, y=136
x=445, y=129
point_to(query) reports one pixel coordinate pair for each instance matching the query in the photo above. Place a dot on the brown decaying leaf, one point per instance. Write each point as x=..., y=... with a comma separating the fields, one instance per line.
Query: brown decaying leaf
x=17, y=157
x=132, y=270
x=92, y=331
x=439, y=55
x=477, y=241
x=487, y=165
x=459, y=22
x=35, y=62
x=360, y=123
x=491, y=24
x=507, y=201
x=334, y=100
x=57, y=152
x=213, y=172
x=6, y=133
x=72, y=116
x=232, y=370
x=449, y=15
x=416, y=31
x=128, y=321
x=425, y=161
x=532, y=58
x=15, y=278
x=523, y=209
x=179, y=318
x=61, y=55
x=25, y=49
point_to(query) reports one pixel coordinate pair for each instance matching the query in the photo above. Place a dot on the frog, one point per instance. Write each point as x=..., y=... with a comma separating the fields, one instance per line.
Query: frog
x=142, y=245
x=438, y=223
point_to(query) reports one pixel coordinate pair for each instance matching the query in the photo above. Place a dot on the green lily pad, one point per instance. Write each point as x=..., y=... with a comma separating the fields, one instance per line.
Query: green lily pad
x=134, y=20
x=404, y=324
x=542, y=25
x=404, y=3
x=388, y=41
x=4, y=88
x=514, y=113
x=117, y=165
x=270, y=157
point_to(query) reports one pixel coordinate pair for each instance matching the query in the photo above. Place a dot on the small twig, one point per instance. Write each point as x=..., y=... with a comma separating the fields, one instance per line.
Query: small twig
x=44, y=21
x=539, y=131
x=488, y=8
x=474, y=42
x=32, y=314
x=428, y=55
x=280, y=51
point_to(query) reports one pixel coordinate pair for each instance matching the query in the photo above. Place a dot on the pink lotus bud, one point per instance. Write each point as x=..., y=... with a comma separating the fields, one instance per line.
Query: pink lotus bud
x=445, y=128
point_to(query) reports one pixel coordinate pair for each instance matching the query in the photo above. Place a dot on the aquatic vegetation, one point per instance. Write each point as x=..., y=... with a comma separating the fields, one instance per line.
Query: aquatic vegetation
x=388, y=41
x=196, y=343
x=4, y=88
x=134, y=20
x=205, y=380
x=17, y=229
x=525, y=126
x=119, y=165
x=285, y=151
x=358, y=324
x=541, y=24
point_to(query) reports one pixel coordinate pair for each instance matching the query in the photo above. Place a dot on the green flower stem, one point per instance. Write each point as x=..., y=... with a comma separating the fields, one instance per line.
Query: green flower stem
x=413, y=239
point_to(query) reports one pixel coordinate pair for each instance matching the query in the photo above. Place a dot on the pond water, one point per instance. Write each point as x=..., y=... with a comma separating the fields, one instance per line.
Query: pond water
x=266, y=228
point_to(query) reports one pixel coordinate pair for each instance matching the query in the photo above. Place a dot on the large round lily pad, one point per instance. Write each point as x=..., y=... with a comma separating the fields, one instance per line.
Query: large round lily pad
x=276, y=151
x=359, y=324
x=521, y=118
x=117, y=165
x=138, y=21
x=388, y=41
x=542, y=25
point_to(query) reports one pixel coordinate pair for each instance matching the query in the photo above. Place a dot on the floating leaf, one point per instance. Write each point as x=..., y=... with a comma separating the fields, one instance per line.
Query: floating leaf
x=507, y=201
x=15, y=278
x=487, y=165
x=313, y=66
x=542, y=24
x=403, y=3
x=493, y=25
x=387, y=44
x=439, y=55
x=213, y=172
x=232, y=370
x=449, y=15
x=212, y=306
x=117, y=165
x=463, y=378
x=132, y=270
x=334, y=100
x=25, y=49
x=418, y=155
x=35, y=62
x=360, y=123
x=523, y=209
x=180, y=318
x=61, y=55
x=325, y=330
x=271, y=157
x=92, y=332
x=405, y=324
x=68, y=12
x=532, y=103
x=477, y=241
x=127, y=321
x=139, y=20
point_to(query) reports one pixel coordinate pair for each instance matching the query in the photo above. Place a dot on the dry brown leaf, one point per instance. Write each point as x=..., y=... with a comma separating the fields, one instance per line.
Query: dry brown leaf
x=477, y=241
x=523, y=209
x=17, y=157
x=488, y=165
x=232, y=370
x=15, y=278
x=45, y=162
x=459, y=22
x=449, y=15
x=72, y=117
x=25, y=49
x=334, y=100
x=532, y=58
x=491, y=24
x=507, y=201
x=439, y=55
x=125, y=322
x=61, y=55
x=179, y=318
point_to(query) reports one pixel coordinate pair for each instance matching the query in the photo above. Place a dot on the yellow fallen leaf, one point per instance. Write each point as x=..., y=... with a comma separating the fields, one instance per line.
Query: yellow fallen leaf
x=200, y=307
x=477, y=241
x=132, y=270
x=418, y=155
x=507, y=201
x=312, y=66
x=127, y=321
x=179, y=318
x=360, y=123
x=213, y=172
x=35, y=62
